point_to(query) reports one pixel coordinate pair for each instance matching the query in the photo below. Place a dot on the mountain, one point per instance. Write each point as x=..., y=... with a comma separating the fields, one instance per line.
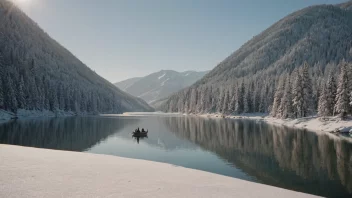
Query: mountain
x=38, y=73
x=247, y=80
x=160, y=84
x=123, y=85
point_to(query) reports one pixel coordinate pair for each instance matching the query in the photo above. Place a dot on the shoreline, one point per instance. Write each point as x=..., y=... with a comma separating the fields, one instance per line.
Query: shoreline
x=331, y=125
x=313, y=123
x=45, y=173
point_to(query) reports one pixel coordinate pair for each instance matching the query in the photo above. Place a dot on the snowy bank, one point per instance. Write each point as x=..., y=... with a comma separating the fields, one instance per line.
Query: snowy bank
x=31, y=172
x=317, y=124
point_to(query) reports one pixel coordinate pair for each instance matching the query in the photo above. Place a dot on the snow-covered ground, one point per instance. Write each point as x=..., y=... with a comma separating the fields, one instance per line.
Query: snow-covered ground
x=49, y=173
x=317, y=124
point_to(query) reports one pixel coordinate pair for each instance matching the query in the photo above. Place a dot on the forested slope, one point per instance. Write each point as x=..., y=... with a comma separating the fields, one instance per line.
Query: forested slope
x=248, y=80
x=37, y=73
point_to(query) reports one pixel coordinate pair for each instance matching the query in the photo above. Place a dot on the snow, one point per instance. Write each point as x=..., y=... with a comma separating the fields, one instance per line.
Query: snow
x=50, y=173
x=317, y=124
x=162, y=76
x=163, y=83
x=314, y=123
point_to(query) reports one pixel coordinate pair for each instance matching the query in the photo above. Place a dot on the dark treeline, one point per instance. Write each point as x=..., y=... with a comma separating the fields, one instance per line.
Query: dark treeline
x=323, y=89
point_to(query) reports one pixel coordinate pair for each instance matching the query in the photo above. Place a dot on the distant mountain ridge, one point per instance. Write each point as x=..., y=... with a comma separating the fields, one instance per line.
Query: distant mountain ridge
x=37, y=73
x=159, y=85
x=246, y=81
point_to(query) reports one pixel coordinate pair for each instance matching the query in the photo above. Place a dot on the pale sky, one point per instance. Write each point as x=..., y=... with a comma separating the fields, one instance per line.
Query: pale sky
x=120, y=39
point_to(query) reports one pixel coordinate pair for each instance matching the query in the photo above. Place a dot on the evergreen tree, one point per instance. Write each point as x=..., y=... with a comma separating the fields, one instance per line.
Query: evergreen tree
x=32, y=94
x=226, y=102
x=323, y=105
x=285, y=108
x=20, y=95
x=239, y=106
x=342, y=95
x=307, y=91
x=331, y=94
x=278, y=97
x=298, y=95
x=247, y=102
x=220, y=103
x=11, y=101
x=232, y=105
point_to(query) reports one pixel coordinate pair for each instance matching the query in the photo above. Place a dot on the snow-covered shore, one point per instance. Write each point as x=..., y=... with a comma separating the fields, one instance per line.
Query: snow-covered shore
x=317, y=124
x=32, y=172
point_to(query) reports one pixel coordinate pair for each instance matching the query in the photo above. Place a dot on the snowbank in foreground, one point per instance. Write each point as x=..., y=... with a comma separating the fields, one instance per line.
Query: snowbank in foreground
x=49, y=173
x=317, y=124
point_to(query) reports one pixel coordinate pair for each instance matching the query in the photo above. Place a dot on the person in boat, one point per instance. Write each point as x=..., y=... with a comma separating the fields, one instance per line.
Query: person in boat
x=138, y=131
x=143, y=131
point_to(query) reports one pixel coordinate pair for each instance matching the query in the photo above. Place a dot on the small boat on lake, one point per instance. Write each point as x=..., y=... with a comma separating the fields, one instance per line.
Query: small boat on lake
x=138, y=133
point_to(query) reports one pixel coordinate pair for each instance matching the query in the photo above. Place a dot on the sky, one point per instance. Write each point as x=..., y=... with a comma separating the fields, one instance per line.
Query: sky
x=120, y=39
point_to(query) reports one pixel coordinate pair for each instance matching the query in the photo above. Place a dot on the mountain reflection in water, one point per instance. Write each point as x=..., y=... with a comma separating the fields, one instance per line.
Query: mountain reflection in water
x=255, y=151
x=275, y=155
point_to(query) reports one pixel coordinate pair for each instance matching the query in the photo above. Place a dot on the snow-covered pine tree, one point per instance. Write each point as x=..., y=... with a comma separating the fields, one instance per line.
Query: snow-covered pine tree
x=285, y=108
x=331, y=94
x=247, y=100
x=194, y=99
x=323, y=104
x=204, y=99
x=220, y=103
x=226, y=102
x=33, y=96
x=239, y=106
x=256, y=98
x=20, y=95
x=278, y=96
x=11, y=101
x=263, y=106
x=297, y=92
x=342, y=95
x=232, y=105
x=307, y=91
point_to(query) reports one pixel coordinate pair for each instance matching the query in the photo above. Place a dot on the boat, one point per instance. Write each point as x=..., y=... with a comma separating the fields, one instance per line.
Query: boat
x=140, y=134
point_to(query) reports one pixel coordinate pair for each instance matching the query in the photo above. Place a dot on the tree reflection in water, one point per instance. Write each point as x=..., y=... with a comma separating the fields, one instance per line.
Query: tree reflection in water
x=73, y=133
x=290, y=158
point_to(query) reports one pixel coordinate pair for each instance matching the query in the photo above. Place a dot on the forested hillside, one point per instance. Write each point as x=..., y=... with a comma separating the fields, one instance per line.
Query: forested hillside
x=289, y=70
x=37, y=73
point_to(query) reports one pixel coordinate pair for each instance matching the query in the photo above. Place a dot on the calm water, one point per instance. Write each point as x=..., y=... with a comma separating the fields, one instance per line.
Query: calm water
x=249, y=150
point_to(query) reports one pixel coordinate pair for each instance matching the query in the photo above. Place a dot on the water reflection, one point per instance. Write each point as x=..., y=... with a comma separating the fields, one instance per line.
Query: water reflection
x=139, y=137
x=73, y=134
x=254, y=151
x=288, y=158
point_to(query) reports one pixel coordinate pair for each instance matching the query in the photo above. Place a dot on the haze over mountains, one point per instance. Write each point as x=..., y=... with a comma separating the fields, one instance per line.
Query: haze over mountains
x=37, y=73
x=247, y=80
x=159, y=85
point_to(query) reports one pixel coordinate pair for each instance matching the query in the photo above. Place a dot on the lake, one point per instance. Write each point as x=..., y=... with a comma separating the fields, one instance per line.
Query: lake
x=246, y=149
